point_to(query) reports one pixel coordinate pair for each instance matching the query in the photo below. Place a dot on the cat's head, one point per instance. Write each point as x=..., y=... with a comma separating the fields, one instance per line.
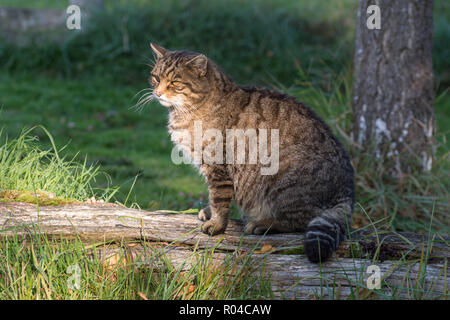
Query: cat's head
x=179, y=78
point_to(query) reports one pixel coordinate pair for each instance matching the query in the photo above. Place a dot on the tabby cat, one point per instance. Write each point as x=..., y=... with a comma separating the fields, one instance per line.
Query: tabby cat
x=313, y=189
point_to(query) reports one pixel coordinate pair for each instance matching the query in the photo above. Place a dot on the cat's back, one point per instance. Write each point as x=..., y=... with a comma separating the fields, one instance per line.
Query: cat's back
x=277, y=107
x=297, y=123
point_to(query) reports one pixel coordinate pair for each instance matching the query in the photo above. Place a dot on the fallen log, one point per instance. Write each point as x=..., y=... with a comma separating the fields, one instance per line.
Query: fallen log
x=408, y=265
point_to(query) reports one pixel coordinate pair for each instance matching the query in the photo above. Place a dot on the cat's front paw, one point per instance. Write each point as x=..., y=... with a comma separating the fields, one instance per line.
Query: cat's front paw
x=205, y=214
x=214, y=226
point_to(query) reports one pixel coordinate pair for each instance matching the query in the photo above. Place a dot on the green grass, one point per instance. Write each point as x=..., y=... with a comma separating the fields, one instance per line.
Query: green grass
x=25, y=167
x=49, y=269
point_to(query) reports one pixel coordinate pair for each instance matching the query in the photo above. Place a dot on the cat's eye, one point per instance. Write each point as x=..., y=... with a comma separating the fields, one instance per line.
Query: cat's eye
x=177, y=84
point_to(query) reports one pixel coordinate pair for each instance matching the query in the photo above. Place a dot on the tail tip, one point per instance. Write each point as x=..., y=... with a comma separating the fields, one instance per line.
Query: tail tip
x=318, y=250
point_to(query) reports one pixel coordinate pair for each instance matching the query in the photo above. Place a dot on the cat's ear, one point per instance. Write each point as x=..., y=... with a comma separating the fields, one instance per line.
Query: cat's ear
x=200, y=63
x=158, y=50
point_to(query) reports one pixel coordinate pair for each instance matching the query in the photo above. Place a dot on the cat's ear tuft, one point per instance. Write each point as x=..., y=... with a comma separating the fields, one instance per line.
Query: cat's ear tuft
x=158, y=50
x=200, y=63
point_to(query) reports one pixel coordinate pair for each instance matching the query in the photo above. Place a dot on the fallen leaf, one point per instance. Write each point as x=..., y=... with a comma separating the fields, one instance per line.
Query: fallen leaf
x=265, y=248
x=113, y=261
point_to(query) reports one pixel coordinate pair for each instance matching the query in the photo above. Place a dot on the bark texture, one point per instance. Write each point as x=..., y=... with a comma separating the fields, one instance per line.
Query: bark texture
x=393, y=88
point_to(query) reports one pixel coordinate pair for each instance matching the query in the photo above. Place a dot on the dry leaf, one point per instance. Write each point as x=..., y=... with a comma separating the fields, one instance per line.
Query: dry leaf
x=113, y=261
x=265, y=248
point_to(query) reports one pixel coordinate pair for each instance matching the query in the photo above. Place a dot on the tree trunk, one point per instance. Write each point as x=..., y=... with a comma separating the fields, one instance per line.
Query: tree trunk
x=393, y=88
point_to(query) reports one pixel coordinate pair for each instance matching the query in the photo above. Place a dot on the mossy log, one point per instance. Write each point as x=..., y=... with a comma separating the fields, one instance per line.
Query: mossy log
x=410, y=265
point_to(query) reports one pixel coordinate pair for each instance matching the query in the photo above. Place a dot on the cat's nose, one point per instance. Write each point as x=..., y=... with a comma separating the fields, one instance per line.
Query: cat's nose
x=157, y=92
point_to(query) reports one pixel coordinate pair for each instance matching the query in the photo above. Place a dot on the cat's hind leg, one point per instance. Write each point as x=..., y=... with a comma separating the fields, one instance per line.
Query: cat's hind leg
x=261, y=219
x=263, y=226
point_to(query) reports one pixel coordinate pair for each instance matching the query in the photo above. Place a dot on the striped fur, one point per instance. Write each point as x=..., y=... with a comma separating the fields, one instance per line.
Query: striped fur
x=312, y=191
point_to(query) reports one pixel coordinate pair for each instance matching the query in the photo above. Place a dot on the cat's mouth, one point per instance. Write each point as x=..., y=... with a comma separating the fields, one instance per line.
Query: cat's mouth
x=164, y=102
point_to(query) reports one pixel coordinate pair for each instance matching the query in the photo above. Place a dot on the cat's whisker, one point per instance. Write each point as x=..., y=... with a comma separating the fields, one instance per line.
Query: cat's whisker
x=145, y=89
x=192, y=110
x=179, y=109
x=187, y=111
x=145, y=99
x=145, y=95
x=141, y=100
x=151, y=62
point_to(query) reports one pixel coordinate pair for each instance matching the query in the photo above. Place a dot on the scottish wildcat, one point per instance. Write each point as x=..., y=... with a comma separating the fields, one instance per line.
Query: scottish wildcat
x=313, y=188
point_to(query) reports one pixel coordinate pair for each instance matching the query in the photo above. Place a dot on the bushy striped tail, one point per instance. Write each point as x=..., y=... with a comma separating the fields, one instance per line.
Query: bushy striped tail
x=325, y=232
